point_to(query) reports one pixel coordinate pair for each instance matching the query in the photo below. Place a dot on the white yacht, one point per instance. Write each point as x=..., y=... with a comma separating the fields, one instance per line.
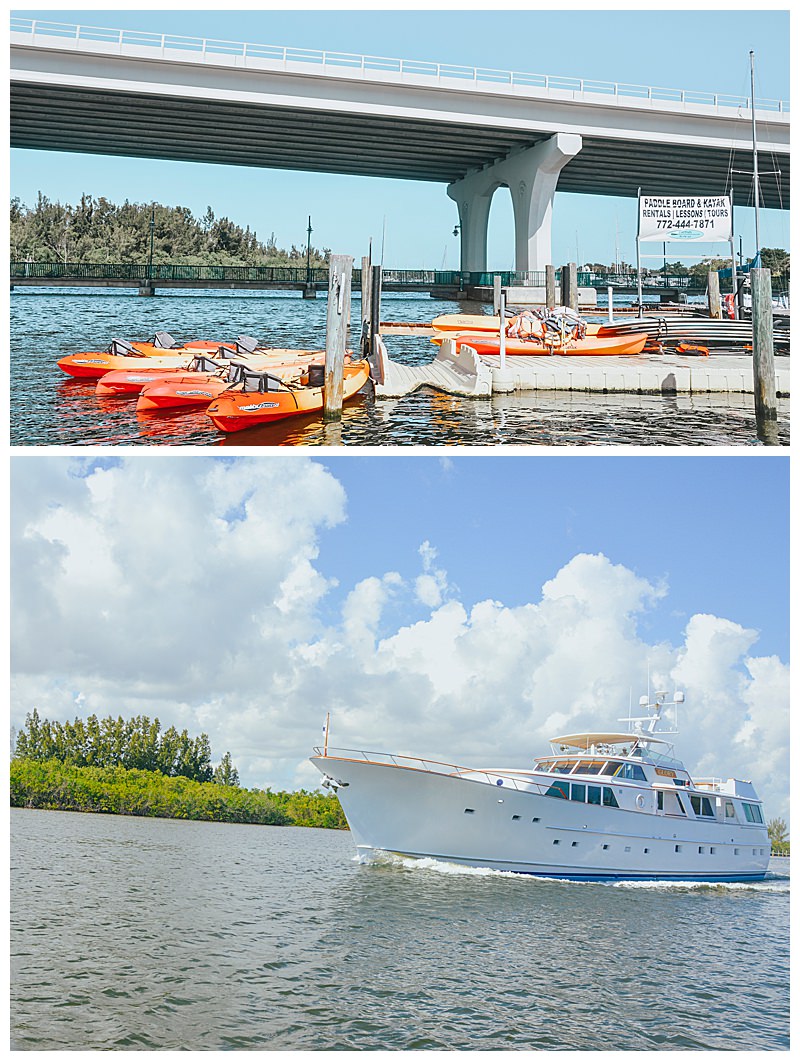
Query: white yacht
x=600, y=806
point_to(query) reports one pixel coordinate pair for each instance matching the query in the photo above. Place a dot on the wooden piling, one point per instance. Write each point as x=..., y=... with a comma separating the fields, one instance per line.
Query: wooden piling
x=375, y=282
x=714, y=301
x=763, y=354
x=569, y=285
x=341, y=270
x=366, y=305
x=549, y=286
x=497, y=285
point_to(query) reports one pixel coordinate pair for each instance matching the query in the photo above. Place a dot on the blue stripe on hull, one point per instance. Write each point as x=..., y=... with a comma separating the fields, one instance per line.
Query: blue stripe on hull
x=685, y=878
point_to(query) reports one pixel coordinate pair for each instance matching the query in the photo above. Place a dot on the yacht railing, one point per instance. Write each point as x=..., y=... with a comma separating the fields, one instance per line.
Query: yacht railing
x=501, y=778
x=714, y=783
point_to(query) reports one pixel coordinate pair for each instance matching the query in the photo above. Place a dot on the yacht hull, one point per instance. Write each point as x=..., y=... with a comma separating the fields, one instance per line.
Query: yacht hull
x=496, y=821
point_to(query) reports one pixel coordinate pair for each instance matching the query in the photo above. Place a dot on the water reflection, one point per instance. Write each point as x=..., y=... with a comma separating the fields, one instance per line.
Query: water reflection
x=49, y=409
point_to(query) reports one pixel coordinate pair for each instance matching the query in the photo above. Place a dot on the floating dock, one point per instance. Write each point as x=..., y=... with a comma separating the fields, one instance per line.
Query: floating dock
x=464, y=372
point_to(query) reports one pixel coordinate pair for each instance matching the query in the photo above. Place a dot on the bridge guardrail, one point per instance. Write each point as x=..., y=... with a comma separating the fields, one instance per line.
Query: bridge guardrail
x=407, y=67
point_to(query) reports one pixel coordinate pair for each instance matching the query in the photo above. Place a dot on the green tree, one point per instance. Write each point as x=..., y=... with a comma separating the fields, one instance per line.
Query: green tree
x=226, y=773
x=776, y=260
x=779, y=836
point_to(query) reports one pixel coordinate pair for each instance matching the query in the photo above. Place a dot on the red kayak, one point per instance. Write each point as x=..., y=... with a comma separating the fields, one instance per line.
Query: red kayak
x=487, y=343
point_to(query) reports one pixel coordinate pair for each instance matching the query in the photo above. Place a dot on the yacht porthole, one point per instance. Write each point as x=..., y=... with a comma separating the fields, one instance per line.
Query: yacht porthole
x=640, y=801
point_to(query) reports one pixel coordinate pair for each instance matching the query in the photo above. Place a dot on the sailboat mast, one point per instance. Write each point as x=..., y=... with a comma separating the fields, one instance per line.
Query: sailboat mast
x=756, y=192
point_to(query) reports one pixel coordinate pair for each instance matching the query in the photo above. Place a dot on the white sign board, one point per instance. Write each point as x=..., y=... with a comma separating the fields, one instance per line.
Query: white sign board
x=704, y=218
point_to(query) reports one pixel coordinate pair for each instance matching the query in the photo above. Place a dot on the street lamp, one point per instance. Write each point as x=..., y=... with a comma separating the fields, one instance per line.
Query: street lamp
x=308, y=253
x=152, y=232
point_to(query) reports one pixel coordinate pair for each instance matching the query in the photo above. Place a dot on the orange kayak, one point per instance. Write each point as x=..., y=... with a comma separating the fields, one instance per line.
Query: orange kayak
x=486, y=343
x=199, y=388
x=121, y=382
x=262, y=398
x=482, y=322
x=121, y=354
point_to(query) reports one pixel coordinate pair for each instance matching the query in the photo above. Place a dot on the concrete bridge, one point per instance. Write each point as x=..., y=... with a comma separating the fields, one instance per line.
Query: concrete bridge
x=122, y=92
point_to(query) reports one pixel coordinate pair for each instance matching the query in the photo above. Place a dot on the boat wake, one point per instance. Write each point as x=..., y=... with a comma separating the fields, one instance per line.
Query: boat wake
x=774, y=883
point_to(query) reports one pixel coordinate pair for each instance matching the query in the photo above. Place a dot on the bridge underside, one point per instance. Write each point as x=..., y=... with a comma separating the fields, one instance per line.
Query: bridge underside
x=134, y=124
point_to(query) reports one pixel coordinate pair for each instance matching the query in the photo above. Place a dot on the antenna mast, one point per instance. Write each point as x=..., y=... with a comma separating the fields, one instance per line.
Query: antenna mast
x=756, y=191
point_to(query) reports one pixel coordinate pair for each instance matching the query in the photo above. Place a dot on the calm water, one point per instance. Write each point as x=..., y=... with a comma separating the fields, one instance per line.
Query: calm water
x=48, y=408
x=146, y=934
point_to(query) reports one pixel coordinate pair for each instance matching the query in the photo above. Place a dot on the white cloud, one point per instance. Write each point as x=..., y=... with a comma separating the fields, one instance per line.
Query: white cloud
x=192, y=590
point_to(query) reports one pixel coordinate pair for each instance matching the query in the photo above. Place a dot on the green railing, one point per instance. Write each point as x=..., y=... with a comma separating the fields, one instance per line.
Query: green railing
x=280, y=274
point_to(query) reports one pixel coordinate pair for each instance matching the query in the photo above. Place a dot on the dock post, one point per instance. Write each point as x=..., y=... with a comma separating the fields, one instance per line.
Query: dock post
x=549, y=286
x=374, y=305
x=147, y=289
x=569, y=285
x=366, y=305
x=497, y=285
x=714, y=302
x=763, y=355
x=341, y=269
x=610, y=290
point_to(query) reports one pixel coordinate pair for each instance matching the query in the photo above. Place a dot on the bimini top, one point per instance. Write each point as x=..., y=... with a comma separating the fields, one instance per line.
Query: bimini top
x=584, y=741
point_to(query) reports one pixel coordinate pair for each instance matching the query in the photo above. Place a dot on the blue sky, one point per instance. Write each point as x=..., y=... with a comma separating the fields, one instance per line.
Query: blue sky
x=681, y=48
x=502, y=526
x=462, y=607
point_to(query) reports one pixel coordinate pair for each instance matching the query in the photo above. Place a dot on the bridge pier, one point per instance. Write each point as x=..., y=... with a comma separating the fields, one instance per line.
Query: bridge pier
x=531, y=175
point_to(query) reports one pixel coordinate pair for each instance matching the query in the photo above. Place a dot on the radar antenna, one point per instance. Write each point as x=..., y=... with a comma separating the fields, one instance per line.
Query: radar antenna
x=646, y=723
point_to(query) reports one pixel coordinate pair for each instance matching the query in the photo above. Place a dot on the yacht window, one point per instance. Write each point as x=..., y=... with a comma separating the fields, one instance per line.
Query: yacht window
x=680, y=803
x=612, y=769
x=563, y=766
x=589, y=766
x=579, y=793
x=630, y=771
x=609, y=799
x=593, y=792
x=753, y=813
x=542, y=767
x=730, y=811
x=660, y=800
x=701, y=805
x=559, y=789
x=633, y=772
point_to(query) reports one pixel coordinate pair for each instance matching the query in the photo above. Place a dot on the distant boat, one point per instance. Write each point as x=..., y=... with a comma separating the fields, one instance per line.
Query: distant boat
x=601, y=806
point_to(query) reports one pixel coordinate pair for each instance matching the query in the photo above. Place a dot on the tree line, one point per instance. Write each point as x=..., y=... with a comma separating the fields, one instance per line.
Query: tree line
x=135, y=744
x=775, y=259
x=55, y=785
x=130, y=766
x=97, y=231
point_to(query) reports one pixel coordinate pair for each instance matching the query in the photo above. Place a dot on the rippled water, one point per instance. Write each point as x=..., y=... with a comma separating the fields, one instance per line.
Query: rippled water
x=132, y=933
x=48, y=408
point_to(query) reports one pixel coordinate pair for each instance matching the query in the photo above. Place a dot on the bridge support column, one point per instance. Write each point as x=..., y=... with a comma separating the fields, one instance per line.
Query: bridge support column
x=531, y=175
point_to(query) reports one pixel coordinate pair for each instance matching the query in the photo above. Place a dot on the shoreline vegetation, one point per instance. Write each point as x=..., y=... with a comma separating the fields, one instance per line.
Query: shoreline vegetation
x=53, y=785
x=133, y=767
x=96, y=231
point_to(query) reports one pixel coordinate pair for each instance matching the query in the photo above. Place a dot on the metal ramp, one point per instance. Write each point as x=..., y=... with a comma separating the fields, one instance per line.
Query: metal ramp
x=452, y=371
